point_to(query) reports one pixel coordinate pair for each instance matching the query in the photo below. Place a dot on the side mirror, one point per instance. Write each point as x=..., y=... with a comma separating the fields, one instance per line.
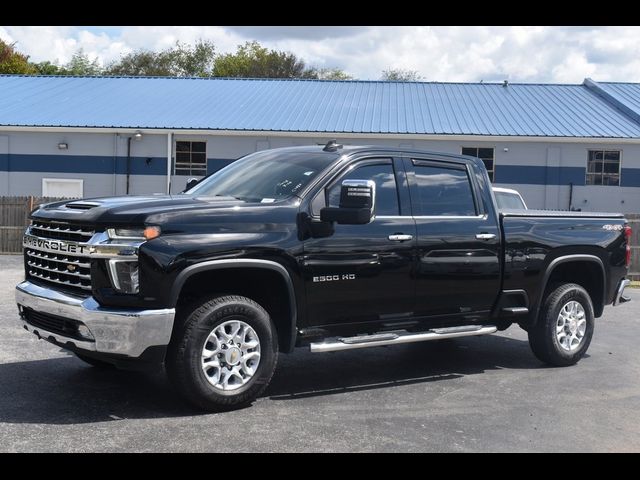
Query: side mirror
x=357, y=202
x=192, y=182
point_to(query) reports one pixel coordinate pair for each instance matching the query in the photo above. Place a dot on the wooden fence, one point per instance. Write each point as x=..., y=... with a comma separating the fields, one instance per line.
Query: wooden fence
x=14, y=213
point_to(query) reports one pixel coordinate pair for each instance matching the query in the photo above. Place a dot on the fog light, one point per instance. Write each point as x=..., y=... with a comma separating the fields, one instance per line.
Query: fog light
x=124, y=275
x=84, y=332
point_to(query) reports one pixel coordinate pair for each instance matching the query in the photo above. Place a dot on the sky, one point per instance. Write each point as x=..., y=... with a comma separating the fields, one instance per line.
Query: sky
x=444, y=54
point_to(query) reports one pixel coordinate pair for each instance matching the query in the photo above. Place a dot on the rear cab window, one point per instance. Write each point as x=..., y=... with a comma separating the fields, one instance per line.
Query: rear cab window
x=442, y=189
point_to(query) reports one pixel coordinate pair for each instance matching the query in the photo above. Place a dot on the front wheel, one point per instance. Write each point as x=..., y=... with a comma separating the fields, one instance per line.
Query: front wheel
x=224, y=353
x=565, y=325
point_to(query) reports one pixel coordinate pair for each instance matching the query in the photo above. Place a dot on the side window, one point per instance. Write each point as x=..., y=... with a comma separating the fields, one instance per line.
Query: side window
x=386, y=190
x=442, y=191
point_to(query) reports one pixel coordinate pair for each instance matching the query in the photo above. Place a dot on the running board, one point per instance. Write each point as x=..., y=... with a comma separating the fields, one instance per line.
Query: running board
x=378, y=339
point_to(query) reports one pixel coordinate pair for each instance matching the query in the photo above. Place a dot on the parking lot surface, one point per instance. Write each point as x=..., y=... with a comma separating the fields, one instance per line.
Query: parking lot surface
x=472, y=394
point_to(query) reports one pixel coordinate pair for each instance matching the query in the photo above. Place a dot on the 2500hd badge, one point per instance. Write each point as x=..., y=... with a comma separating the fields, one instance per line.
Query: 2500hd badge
x=333, y=278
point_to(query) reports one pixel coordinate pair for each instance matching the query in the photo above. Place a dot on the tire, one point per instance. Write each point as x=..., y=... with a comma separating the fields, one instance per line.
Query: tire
x=563, y=345
x=94, y=362
x=199, y=375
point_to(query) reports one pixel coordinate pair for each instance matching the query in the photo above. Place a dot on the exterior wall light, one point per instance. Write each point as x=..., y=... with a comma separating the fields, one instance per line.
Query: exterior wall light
x=63, y=146
x=137, y=136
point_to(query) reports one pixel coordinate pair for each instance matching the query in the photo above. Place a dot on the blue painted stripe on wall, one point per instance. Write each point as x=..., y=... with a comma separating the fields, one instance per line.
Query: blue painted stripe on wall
x=515, y=174
x=82, y=164
x=539, y=175
x=630, y=177
x=94, y=164
x=215, y=164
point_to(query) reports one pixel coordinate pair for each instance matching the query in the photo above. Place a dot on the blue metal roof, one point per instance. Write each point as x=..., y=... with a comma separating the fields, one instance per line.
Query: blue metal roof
x=626, y=93
x=313, y=106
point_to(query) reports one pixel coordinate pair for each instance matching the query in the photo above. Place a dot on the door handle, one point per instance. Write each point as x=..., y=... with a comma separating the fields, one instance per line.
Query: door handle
x=400, y=237
x=485, y=236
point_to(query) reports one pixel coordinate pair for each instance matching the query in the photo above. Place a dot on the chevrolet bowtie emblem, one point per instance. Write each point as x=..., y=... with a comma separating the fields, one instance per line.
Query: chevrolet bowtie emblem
x=71, y=268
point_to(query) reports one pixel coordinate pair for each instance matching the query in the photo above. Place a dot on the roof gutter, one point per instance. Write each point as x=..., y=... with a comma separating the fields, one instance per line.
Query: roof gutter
x=324, y=135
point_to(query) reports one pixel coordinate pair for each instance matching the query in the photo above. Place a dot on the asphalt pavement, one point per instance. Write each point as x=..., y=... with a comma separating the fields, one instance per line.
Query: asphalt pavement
x=466, y=395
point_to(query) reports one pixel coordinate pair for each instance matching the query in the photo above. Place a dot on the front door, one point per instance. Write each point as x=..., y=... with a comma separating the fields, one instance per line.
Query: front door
x=363, y=273
x=458, y=250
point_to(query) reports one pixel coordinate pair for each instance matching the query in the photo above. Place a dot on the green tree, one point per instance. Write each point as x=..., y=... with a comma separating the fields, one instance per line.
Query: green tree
x=179, y=61
x=331, y=74
x=252, y=60
x=81, y=65
x=12, y=61
x=401, y=75
x=47, y=68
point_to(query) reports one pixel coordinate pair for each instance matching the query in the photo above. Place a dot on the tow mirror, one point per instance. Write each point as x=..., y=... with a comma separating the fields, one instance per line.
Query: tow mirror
x=192, y=182
x=357, y=204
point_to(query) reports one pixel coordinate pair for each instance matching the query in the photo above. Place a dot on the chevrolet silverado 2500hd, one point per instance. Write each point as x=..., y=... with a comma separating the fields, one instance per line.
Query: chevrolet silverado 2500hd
x=332, y=247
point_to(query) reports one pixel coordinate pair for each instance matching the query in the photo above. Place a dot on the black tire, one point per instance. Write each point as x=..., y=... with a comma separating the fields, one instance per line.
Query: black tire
x=183, y=361
x=94, y=362
x=542, y=336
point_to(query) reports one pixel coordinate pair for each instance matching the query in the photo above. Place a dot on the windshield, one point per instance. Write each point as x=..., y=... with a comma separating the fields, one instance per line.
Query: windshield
x=509, y=201
x=266, y=176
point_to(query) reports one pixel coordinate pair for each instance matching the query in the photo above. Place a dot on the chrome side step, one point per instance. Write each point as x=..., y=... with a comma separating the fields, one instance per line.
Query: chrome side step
x=379, y=339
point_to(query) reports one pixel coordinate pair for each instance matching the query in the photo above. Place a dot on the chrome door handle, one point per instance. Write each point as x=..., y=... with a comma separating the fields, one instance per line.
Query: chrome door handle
x=485, y=236
x=400, y=238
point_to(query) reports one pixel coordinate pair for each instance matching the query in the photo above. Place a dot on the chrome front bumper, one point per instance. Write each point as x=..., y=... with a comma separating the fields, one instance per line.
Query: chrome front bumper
x=121, y=332
x=620, y=298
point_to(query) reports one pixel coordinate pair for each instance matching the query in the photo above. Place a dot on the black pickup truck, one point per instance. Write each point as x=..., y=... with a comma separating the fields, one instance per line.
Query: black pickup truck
x=330, y=247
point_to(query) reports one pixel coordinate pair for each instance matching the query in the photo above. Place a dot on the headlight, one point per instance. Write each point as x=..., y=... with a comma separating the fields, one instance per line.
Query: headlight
x=138, y=234
x=124, y=275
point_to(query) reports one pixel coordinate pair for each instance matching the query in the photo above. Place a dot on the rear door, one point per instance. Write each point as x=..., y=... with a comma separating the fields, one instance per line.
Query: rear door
x=458, y=245
x=363, y=273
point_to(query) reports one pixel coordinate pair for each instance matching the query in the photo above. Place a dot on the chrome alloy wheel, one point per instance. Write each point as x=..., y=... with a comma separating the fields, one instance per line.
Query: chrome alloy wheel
x=231, y=355
x=571, y=326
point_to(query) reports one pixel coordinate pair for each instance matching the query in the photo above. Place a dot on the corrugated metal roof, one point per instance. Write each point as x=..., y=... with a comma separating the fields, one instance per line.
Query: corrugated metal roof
x=311, y=106
x=626, y=93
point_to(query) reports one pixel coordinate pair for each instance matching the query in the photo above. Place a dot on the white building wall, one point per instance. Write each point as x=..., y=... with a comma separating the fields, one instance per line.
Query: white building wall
x=522, y=161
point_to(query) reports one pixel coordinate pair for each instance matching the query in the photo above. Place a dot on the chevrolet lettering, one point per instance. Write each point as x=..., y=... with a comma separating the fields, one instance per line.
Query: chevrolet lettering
x=52, y=245
x=325, y=247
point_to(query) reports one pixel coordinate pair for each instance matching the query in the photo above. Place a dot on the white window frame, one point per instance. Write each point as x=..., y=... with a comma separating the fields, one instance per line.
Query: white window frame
x=492, y=173
x=175, y=156
x=586, y=170
x=70, y=181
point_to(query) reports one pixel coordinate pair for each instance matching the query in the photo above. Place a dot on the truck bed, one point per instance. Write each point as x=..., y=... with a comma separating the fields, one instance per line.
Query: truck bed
x=535, y=240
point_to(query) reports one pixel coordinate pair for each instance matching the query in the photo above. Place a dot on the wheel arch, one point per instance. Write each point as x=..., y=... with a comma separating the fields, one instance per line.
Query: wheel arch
x=565, y=268
x=286, y=335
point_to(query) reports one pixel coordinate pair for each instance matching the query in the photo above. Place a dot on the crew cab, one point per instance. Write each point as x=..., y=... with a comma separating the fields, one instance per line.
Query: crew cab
x=328, y=247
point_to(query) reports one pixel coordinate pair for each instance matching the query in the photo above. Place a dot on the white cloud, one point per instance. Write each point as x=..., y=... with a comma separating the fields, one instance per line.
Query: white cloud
x=529, y=54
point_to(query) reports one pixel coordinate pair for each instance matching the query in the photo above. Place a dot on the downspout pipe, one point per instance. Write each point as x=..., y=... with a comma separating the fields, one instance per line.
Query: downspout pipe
x=169, y=152
x=128, y=163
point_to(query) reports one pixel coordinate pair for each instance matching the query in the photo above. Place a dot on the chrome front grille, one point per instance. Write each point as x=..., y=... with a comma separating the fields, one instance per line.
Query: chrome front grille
x=61, y=231
x=64, y=270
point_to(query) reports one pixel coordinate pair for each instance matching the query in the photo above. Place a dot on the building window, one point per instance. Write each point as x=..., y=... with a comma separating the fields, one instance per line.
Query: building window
x=603, y=167
x=191, y=158
x=484, y=154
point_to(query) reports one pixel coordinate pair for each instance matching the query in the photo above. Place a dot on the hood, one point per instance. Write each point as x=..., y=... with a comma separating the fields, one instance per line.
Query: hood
x=129, y=210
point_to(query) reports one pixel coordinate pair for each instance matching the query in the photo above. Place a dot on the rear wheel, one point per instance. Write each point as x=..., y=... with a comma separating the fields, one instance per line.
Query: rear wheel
x=565, y=326
x=224, y=353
